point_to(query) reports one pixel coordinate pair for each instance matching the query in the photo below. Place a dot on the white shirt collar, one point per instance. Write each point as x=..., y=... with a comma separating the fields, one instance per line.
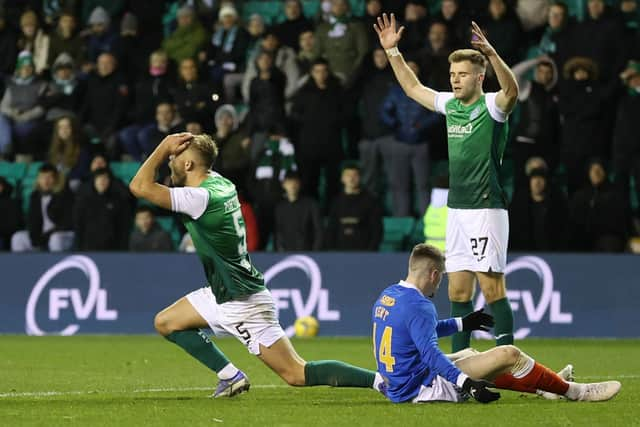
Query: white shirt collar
x=408, y=285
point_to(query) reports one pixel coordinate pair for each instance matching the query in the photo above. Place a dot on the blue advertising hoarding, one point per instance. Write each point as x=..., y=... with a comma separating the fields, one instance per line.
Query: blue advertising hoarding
x=552, y=295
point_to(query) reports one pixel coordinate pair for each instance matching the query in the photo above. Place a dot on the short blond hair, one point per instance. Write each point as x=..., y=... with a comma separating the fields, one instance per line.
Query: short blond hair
x=206, y=148
x=471, y=55
x=423, y=254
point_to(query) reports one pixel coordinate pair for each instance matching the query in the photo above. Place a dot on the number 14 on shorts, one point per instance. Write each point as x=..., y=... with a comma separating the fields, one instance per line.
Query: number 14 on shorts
x=479, y=247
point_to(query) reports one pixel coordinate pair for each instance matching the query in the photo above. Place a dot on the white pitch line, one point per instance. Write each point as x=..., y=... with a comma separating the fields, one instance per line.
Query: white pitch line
x=179, y=389
x=140, y=390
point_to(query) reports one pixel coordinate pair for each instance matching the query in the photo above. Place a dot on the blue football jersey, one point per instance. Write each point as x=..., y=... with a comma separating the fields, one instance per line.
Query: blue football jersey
x=405, y=341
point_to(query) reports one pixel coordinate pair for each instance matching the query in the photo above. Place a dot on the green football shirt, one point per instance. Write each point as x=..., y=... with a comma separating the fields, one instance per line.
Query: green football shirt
x=477, y=136
x=212, y=216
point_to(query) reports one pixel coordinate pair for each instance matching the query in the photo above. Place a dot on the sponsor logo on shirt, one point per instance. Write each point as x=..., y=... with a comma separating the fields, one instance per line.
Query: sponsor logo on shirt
x=459, y=131
x=232, y=204
x=387, y=300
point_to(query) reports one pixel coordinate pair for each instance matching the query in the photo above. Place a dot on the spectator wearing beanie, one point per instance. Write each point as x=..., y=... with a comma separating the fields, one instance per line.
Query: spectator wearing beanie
x=132, y=55
x=225, y=54
x=113, y=8
x=65, y=92
x=21, y=110
x=102, y=38
x=234, y=161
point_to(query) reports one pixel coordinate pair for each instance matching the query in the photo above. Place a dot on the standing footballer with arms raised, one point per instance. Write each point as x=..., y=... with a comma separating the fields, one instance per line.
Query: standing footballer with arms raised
x=477, y=223
x=234, y=301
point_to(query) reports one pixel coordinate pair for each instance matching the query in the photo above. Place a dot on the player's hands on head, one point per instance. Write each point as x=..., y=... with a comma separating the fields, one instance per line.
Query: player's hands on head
x=478, y=320
x=176, y=143
x=479, y=41
x=386, y=29
x=478, y=389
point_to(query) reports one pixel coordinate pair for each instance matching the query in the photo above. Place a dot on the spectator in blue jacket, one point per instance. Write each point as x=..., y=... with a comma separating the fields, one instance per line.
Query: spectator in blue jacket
x=412, y=125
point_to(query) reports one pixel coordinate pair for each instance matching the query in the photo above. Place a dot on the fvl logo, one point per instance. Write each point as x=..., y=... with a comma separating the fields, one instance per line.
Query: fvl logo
x=318, y=298
x=550, y=301
x=60, y=298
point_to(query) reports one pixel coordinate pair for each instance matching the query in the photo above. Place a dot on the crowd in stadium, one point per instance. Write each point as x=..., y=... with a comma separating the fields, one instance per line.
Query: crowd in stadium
x=323, y=145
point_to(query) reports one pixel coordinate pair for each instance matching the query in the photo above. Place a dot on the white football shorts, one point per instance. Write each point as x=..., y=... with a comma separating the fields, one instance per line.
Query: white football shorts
x=477, y=240
x=252, y=319
x=440, y=390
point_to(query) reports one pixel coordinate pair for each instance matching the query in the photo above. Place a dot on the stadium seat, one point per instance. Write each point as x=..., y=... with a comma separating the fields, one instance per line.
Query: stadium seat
x=310, y=8
x=125, y=170
x=271, y=11
x=32, y=169
x=14, y=172
x=417, y=235
x=397, y=232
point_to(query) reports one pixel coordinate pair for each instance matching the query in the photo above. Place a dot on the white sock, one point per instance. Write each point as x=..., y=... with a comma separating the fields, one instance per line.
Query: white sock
x=575, y=391
x=377, y=381
x=523, y=366
x=228, y=372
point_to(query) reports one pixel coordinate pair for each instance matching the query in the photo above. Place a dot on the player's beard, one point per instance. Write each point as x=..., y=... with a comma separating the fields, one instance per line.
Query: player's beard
x=177, y=179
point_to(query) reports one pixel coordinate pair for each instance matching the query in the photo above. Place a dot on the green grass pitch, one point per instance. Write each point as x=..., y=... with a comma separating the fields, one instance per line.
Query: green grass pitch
x=145, y=380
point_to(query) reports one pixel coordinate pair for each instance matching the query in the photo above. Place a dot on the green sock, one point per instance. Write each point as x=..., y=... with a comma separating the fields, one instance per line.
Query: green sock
x=460, y=340
x=503, y=316
x=197, y=344
x=337, y=374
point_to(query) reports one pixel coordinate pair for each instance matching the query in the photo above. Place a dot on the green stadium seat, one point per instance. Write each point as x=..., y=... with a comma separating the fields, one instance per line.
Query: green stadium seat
x=125, y=170
x=397, y=232
x=14, y=172
x=32, y=169
x=310, y=8
x=271, y=11
x=417, y=235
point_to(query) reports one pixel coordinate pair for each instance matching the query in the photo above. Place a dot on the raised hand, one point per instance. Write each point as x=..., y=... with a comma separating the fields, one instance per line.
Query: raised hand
x=386, y=29
x=479, y=41
x=176, y=143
